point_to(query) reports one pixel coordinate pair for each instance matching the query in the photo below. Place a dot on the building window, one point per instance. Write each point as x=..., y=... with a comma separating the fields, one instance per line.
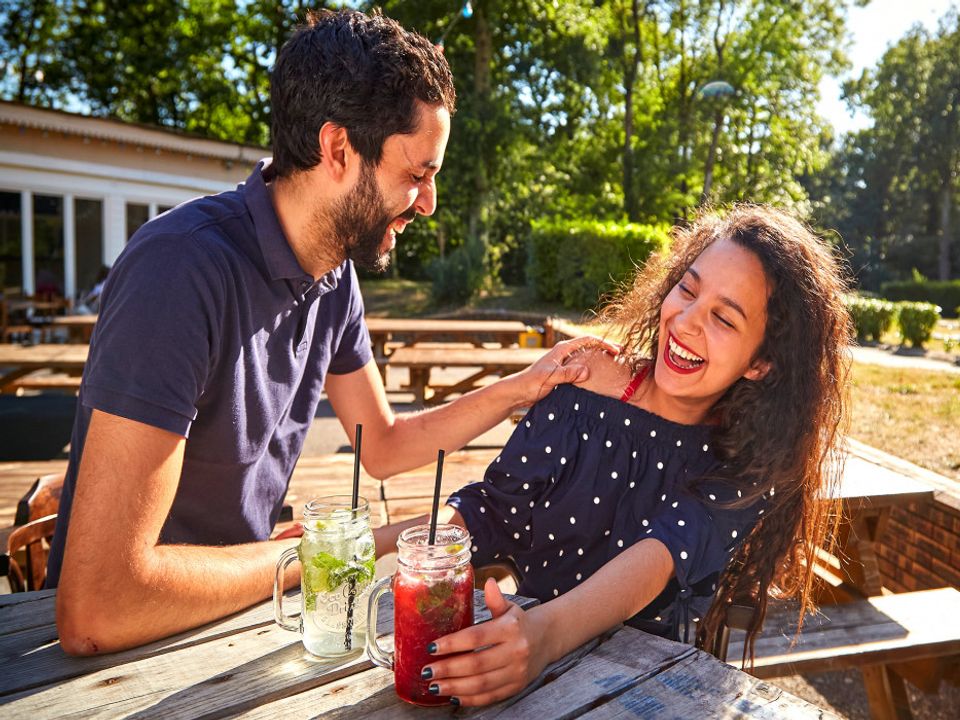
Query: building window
x=89, y=234
x=48, y=245
x=137, y=215
x=11, y=258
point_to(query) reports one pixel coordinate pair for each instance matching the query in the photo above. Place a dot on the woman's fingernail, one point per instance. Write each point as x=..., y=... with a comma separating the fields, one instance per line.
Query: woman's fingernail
x=454, y=701
x=426, y=673
x=432, y=648
x=434, y=689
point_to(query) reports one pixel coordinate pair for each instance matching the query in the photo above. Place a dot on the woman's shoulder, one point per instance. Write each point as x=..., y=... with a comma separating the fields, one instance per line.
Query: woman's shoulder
x=608, y=375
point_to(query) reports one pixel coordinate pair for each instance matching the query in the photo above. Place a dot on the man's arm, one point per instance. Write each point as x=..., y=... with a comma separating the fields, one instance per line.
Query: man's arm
x=394, y=443
x=118, y=587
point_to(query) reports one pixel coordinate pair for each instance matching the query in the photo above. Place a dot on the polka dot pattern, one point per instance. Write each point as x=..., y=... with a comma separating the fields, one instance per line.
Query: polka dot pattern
x=583, y=479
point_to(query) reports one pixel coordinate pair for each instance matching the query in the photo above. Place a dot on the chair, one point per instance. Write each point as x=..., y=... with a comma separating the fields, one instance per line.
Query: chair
x=34, y=539
x=738, y=618
x=29, y=539
x=42, y=499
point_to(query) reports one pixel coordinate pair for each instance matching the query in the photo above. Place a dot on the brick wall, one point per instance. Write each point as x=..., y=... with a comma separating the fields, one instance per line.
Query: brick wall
x=920, y=547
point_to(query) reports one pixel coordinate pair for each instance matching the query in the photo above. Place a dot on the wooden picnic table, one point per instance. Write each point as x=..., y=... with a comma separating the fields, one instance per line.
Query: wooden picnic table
x=19, y=360
x=79, y=327
x=411, y=331
x=485, y=362
x=246, y=666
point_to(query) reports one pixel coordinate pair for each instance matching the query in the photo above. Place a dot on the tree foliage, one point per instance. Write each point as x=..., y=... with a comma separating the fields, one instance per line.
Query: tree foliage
x=893, y=189
x=570, y=109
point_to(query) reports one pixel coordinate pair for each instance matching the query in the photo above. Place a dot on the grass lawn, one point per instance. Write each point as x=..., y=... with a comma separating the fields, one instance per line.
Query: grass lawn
x=914, y=414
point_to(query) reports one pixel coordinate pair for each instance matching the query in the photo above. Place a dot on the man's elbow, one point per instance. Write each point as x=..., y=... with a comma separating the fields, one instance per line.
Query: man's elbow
x=87, y=624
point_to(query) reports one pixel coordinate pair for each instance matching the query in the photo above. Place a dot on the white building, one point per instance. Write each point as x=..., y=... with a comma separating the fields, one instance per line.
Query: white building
x=73, y=189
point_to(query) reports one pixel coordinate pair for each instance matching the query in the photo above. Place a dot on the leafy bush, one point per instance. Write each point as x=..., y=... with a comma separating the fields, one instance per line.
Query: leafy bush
x=871, y=317
x=917, y=321
x=458, y=276
x=578, y=261
x=946, y=294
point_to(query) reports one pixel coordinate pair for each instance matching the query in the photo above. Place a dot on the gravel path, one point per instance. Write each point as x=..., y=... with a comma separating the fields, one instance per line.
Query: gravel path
x=891, y=356
x=842, y=692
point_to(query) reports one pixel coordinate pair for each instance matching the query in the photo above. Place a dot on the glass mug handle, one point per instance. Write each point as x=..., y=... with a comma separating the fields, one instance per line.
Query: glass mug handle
x=376, y=653
x=289, y=555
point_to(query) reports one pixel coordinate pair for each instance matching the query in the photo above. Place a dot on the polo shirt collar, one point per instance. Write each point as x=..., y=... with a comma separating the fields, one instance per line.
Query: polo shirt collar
x=278, y=257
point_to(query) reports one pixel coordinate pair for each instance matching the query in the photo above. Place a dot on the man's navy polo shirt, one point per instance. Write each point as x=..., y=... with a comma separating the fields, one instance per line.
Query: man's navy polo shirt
x=209, y=328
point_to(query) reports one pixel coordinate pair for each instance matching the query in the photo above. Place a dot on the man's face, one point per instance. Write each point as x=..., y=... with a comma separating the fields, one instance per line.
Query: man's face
x=385, y=199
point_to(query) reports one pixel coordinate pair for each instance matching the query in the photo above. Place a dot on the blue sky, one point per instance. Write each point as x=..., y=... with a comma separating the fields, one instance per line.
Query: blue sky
x=872, y=30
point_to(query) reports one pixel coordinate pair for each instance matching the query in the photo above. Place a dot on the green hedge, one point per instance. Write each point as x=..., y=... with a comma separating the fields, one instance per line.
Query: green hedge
x=946, y=294
x=577, y=262
x=917, y=320
x=871, y=317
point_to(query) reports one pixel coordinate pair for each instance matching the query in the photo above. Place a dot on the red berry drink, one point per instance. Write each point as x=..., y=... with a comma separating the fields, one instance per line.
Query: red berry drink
x=432, y=597
x=426, y=609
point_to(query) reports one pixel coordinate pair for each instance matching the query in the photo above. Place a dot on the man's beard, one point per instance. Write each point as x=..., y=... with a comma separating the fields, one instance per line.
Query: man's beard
x=360, y=221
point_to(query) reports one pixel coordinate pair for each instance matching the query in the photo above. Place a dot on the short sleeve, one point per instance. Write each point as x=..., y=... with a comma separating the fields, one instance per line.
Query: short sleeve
x=499, y=512
x=156, y=333
x=354, y=349
x=700, y=534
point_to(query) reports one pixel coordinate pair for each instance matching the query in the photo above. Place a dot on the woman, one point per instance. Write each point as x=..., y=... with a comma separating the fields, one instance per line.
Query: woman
x=673, y=482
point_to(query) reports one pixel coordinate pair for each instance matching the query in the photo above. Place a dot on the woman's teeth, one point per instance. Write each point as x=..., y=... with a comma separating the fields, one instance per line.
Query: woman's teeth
x=678, y=353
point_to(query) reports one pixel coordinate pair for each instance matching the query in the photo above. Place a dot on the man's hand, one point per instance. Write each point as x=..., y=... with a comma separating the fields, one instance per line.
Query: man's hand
x=513, y=654
x=563, y=364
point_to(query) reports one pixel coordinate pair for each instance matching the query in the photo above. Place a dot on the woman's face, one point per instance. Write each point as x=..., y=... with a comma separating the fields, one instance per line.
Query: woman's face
x=711, y=325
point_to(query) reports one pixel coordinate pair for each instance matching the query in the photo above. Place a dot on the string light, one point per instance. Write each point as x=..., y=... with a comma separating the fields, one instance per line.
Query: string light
x=465, y=12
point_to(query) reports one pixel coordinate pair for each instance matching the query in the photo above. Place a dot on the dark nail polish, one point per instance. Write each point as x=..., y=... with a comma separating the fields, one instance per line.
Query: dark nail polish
x=426, y=673
x=434, y=689
x=455, y=701
x=432, y=648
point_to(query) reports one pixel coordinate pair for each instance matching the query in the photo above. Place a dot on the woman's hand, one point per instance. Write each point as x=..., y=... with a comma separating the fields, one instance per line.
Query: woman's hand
x=513, y=654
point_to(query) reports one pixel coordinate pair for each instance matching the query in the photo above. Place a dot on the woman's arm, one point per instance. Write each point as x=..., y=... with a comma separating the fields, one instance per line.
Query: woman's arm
x=522, y=643
x=385, y=538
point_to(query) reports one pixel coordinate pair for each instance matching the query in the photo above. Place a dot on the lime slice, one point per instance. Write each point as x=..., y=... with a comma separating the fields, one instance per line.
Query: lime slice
x=454, y=549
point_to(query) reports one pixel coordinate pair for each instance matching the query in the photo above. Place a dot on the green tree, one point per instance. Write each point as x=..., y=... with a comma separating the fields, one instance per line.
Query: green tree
x=903, y=172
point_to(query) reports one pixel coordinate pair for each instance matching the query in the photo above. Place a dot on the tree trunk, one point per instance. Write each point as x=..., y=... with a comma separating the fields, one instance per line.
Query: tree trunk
x=943, y=263
x=711, y=156
x=483, y=45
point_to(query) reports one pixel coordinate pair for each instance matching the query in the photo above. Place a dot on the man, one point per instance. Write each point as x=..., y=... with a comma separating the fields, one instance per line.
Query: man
x=222, y=322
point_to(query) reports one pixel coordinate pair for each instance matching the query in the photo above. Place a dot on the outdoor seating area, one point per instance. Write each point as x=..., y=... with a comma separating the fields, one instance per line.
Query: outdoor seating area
x=887, y=635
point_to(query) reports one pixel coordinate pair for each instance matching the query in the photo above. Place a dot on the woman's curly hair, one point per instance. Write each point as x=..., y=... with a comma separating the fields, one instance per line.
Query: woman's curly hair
x=778, y=437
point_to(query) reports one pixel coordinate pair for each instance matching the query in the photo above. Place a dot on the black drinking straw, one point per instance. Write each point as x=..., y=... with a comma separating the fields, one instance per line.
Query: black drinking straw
x=355, y=499
x=436, y=500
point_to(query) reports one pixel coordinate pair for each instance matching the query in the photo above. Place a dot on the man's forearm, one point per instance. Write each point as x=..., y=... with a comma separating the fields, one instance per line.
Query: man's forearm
x=164, y=591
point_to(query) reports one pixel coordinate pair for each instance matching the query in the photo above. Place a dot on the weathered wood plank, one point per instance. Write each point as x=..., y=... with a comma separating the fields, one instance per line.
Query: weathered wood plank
x=229, y=672
x=243, y=668
x=699, y=686
x=617, y=664
x=890, y=628
x=28, y=665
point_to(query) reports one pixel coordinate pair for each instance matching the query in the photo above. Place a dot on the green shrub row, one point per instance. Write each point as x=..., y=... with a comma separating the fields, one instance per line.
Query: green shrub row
x=946, y=294
x=579, y=261
x=873, y=317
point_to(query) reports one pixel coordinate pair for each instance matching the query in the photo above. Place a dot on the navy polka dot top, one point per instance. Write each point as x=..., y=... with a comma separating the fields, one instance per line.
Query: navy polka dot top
x=585, y=476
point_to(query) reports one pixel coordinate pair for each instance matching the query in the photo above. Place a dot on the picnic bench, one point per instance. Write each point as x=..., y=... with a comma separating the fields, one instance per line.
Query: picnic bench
x=417, y=330
x=19, y=361
x=245, y=665
x=485, y=363
x=882, y=636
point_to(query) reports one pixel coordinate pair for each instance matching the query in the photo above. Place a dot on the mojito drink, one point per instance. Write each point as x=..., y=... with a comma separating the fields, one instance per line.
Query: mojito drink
x=337, y=566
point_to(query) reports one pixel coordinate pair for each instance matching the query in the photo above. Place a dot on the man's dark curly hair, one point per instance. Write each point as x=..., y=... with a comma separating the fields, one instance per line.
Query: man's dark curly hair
x=362, y=72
